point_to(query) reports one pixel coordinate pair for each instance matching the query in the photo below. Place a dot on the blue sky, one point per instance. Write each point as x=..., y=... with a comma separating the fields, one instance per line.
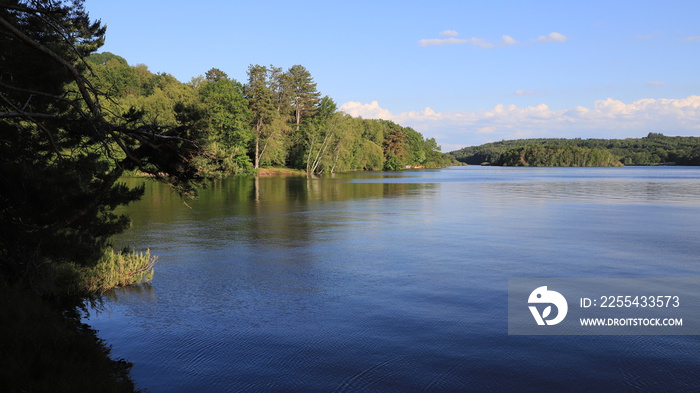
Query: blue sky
x=463, y=72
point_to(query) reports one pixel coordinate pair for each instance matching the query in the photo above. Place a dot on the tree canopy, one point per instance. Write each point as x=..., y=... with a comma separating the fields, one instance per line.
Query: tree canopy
x=275, y=118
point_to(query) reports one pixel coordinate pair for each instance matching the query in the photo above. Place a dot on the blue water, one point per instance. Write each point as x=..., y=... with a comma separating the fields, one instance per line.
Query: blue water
x=397, y=282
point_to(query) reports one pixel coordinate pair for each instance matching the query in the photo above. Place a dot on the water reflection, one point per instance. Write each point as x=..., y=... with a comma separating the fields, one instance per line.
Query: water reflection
x=397, y=281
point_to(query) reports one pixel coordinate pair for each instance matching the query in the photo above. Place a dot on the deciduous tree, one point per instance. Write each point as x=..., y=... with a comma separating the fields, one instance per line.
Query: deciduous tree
x=228, y=122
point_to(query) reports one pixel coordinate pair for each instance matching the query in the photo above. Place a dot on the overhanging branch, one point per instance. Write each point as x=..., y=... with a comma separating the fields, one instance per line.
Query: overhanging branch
x=79, y=80
x=5, y=115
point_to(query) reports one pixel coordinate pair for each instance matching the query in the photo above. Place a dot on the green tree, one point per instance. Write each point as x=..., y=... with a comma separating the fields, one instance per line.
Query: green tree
x=114, y=76
x=323, y=136
x=416, y=155
x=303, y=93
x=262, y=107
x=278, y=143
x=395, y=148
x=279, y=85
x=215, y=75
x=60, y=156
x=228, y=122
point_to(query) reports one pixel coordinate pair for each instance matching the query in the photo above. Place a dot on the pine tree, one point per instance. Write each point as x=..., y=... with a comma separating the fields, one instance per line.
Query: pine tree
x=304, y=95
x=262, y=105
x=60, y=158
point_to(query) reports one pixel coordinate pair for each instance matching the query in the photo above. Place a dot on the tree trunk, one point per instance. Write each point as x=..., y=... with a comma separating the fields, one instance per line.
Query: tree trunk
x=258, y=129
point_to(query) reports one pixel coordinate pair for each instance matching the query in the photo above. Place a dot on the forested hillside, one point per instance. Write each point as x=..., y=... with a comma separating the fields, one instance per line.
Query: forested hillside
x=275, y=118
x=654, y=149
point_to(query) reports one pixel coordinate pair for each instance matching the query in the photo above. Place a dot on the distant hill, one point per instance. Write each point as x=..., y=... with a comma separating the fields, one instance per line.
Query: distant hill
x=654, y=149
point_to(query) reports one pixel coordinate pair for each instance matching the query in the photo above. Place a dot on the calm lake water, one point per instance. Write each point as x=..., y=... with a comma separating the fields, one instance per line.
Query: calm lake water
x=397, y=282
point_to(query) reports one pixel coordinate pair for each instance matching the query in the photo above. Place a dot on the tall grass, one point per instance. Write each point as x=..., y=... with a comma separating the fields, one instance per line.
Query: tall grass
x=117, y=269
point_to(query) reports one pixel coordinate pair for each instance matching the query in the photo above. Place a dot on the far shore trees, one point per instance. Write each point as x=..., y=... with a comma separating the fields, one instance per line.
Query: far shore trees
x=654, y=149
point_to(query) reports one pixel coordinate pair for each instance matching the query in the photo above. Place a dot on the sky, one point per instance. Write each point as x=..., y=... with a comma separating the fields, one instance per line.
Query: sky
x=462, y=72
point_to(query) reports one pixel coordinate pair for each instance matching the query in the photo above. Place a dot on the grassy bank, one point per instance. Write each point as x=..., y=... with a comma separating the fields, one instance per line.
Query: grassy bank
x=279, y=171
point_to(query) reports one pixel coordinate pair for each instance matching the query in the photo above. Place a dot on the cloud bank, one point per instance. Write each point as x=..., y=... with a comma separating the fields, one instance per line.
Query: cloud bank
x=607, y=118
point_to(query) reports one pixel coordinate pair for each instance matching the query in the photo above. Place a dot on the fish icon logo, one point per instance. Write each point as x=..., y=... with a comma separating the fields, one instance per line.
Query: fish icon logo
x=543, y=296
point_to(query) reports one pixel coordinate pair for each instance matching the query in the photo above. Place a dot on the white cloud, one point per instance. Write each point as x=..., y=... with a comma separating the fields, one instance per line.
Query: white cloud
x=524, y=93
x=449, y=33
x=608, y=118
x=367, y=111
x=694, y=38
x=506, y=40
x=552, y=37
x=655, y=83
x=452, y=41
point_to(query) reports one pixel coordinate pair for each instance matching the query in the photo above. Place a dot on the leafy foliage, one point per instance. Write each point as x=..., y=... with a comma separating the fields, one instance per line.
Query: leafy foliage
x=275, y=118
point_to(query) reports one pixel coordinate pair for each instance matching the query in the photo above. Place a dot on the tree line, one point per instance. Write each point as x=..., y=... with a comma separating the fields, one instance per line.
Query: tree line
x=276, y=118
x=654, y=149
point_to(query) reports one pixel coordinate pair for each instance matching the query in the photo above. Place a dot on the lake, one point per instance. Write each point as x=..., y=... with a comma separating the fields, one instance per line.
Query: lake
x=398, y=282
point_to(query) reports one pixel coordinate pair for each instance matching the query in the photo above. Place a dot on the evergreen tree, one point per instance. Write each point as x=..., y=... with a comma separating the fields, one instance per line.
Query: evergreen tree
x=262, y=106
x=60, y=157
x=303, y=92
x=215, y=75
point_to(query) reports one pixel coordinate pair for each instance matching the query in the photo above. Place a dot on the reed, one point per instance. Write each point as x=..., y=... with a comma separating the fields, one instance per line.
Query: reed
x=117, y=269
